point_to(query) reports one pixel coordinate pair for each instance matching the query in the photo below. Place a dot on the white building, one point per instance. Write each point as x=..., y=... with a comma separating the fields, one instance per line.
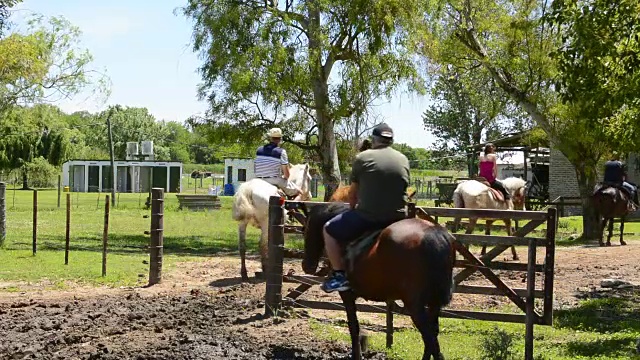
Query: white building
x=132, y=176
x=238, y=170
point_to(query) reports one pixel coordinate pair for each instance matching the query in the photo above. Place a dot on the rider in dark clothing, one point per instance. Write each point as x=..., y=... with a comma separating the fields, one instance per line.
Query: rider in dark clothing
x=615, y=174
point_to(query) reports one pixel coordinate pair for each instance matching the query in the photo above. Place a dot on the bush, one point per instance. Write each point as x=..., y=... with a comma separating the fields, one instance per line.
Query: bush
x=496, y=345
x=41, y=174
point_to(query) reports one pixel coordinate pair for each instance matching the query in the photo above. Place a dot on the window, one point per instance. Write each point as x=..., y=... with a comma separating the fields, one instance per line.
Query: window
x=229, y=174
x=242, y=174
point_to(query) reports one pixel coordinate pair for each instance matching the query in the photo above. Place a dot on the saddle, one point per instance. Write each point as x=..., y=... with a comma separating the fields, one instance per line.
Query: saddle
x=360, y=246
x=496, y=193
x=281, y=193
x=602, y=186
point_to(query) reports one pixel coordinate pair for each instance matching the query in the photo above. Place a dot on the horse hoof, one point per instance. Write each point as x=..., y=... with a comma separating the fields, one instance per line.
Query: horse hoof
x=515, y=258
x=622, y=243
x=608, y=243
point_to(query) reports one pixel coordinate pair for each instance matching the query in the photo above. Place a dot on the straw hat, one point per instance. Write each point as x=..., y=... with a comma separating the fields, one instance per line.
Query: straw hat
x=275, y=133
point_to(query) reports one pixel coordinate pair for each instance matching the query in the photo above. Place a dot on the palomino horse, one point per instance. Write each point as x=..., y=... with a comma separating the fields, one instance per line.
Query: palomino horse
x=410, y=260
x=610, y=202
x=472, y=194
x=251, y=205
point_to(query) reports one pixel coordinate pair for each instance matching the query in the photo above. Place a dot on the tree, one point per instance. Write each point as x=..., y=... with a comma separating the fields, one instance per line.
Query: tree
x=45, y=65
x=301, y=65
x=467, y=107
x=4, y=13
x=513, y=42
x=29, y=133
x=178, y=141
x=599, y=64
x=130, y=124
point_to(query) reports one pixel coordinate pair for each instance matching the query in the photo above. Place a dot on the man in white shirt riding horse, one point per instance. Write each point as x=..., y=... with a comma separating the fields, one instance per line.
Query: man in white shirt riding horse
x=272, y=165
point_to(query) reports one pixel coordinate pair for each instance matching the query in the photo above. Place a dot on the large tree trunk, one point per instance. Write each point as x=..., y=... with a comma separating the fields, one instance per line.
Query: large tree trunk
x=320, y=76
x=328, y=157
x=587, y=178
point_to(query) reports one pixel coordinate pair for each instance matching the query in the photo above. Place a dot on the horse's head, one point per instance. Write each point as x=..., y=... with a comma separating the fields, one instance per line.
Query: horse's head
x=517, y=189
x=299, y=175
x=313, y=233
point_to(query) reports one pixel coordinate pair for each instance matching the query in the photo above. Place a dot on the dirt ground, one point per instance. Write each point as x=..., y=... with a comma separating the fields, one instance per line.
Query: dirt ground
x=202, y=311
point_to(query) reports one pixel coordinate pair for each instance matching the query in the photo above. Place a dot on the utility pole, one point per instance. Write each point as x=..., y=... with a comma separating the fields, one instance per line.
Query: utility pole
x=113, y=166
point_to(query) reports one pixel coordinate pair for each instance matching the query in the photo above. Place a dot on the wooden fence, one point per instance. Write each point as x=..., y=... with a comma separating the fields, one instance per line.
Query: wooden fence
x=469, y=264
x=155, y=232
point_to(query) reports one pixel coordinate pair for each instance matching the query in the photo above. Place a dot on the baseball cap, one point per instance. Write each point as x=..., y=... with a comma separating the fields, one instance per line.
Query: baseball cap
x=383, y=130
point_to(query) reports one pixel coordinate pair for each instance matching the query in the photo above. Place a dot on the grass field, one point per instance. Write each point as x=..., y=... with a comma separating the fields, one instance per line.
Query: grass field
x=189, y=236
x=579, y=333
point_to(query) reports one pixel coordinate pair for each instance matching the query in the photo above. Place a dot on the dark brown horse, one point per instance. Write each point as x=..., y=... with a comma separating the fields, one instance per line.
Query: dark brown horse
x=610, y=202
x=410, y=260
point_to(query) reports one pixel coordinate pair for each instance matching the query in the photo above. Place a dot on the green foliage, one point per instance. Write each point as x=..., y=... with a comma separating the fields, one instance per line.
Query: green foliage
x=303, y=66
x=598, y=64
x=41, y=173
x=4, y=13
x=468, y=107
x=512, y=41
x=45, y=64
x=497, y=344
x=33, y=132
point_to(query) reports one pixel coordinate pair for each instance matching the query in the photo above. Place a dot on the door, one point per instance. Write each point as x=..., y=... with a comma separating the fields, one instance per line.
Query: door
x=94, y=178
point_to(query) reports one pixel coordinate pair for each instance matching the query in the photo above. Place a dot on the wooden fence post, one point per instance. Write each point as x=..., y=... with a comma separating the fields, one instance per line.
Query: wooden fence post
x=105, y=235
x=549, y=264
x=35, y=222
x=157, y=238
x=66, y=236
x=59, y=189
x=273, y=294
x=530, y=301
x=3, y=212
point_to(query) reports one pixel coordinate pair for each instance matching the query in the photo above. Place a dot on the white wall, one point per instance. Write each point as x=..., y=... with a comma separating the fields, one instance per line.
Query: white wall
x=246, y=164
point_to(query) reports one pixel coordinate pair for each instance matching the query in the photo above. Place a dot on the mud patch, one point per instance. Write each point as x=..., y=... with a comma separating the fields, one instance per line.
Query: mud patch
x=195, y=325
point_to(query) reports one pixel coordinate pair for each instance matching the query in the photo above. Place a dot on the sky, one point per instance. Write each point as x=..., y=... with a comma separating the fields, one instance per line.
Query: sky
x=145, y=51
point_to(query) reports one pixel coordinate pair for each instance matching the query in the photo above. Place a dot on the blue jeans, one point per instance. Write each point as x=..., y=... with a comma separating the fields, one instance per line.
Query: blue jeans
x=349, y=225
x=630, y=188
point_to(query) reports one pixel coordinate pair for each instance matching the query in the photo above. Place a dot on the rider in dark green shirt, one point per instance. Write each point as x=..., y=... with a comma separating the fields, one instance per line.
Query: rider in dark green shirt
x=379, y=180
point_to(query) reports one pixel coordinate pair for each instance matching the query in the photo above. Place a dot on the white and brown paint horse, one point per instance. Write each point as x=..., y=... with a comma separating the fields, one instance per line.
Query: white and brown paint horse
x=474, y=194
x=251, y=205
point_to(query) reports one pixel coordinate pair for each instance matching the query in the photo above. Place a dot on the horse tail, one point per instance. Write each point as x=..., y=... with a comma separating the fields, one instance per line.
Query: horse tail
x=440, y=258
x=242, y=204
x=458, y=200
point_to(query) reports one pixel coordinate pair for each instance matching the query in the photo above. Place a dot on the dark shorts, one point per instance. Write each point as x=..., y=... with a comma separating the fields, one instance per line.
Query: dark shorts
x=350, y=225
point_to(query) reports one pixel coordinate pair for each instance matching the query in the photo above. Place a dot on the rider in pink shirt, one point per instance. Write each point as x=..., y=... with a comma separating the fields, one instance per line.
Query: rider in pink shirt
x=488, y=169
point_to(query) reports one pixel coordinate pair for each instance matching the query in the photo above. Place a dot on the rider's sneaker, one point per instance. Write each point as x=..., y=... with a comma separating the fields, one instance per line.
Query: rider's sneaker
x=337, y=282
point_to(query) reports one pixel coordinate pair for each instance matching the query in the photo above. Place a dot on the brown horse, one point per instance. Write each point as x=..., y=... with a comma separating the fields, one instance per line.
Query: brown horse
x=410, y=260
x=610, y=202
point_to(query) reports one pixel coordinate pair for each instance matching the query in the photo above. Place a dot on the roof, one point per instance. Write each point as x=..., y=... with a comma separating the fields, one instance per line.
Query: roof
x=522, y=139
x=120, y=162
